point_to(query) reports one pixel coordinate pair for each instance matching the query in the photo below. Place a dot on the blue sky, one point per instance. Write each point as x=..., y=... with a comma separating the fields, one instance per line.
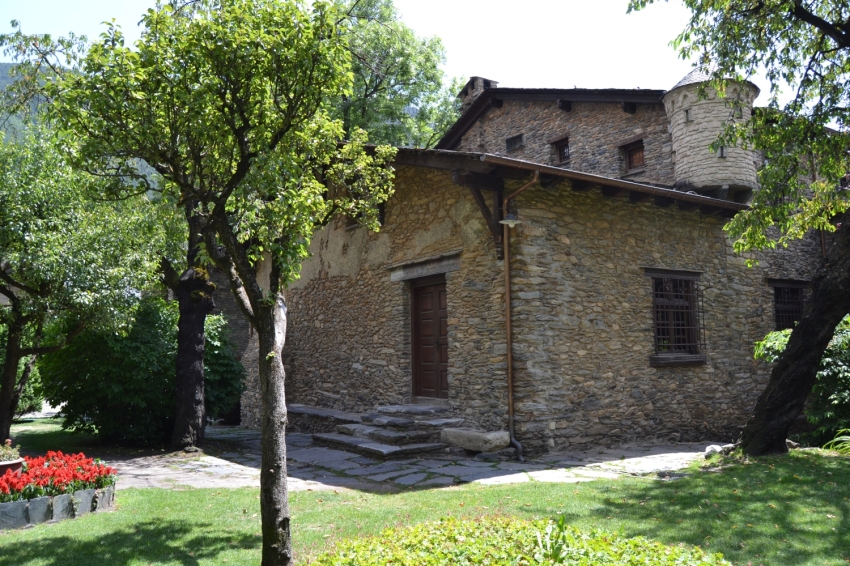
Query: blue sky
x=528, y=43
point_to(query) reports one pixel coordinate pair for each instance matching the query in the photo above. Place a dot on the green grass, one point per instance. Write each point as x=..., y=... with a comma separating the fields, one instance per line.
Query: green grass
x=790, y=510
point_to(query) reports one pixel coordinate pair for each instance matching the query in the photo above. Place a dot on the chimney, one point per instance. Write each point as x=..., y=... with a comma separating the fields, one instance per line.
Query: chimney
x=473, y=89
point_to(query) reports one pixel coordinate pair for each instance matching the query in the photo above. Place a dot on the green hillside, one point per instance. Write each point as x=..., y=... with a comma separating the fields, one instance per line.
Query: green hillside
x=4, y=74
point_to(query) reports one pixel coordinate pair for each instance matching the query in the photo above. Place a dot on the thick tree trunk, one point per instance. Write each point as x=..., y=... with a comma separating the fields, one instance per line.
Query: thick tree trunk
x=194, y=295
x=793, y=376
x=274, y=499
x=8, y=381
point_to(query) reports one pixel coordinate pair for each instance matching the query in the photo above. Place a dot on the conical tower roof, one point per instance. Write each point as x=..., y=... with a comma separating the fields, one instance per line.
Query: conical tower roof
x=698, y=75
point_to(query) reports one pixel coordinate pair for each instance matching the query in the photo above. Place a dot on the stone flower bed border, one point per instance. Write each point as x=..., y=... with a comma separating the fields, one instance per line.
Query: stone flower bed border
x=19, y=514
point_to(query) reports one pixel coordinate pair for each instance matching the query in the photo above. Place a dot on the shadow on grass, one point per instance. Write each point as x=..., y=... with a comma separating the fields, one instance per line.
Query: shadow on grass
x=171, y=541
x=792, y=509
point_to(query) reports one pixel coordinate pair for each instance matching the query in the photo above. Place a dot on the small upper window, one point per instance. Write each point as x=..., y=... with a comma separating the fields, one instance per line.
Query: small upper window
x=513, y=143
x=563, y=148
x=721, y=151
x=634, y=156
x=687, y=114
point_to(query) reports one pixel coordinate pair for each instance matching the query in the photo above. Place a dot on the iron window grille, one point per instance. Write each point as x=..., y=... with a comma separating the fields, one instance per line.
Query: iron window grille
x=635, y=158
x=677, y=309
x=563, y=151
x=789, y=297
x=513, y=143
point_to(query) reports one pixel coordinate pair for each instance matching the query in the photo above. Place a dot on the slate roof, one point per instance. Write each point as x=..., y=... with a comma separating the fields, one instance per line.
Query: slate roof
x=698, y=75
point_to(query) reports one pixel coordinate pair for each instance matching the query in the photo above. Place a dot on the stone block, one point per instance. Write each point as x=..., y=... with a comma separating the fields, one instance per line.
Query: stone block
x=39, y=510
x=62, y=507
x=475, y=440
x=83, y=501
x=13, y=515
x=105, y=499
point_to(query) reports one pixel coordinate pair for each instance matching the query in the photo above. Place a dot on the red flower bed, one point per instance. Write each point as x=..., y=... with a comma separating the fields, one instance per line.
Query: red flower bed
x=55, y=474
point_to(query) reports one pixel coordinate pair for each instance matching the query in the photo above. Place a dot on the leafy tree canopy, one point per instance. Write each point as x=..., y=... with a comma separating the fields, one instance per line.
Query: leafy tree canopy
x=398, y=93
x=60, y=251
x=797, y=44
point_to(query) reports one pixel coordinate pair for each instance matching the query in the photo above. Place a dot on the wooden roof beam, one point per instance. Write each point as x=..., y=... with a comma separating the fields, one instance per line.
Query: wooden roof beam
x=664, y=202
x=478, y=180
x=612, y=192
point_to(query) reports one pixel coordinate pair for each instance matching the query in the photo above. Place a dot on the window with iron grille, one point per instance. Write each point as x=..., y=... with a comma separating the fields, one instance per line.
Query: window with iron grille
x=634, y=156
x=513, y=143
x=563, y=148
x=678, y=331
x=788, y=300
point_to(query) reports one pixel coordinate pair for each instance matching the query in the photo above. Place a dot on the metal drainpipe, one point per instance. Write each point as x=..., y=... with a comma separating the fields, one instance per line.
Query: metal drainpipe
x=506, y=242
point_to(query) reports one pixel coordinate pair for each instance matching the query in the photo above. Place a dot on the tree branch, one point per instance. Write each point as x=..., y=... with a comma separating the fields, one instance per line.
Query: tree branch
x=169, y=275
x=225, y=263
x=40, y=350
x=832, y=30
x=4, y=275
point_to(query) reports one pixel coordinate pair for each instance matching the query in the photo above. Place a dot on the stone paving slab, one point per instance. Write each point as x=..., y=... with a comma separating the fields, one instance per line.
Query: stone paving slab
x=439, y=481
x=410, y=479
x=318, y=454
x=388, y=475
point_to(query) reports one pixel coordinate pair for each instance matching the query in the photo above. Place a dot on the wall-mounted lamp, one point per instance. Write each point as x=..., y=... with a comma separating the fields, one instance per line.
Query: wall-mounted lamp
x=511, y=220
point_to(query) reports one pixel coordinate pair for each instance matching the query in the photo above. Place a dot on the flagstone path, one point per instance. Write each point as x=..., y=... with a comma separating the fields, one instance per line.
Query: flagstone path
x=232, y=459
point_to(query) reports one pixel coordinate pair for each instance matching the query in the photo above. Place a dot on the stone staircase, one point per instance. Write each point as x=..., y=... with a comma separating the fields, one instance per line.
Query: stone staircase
x=394, y=431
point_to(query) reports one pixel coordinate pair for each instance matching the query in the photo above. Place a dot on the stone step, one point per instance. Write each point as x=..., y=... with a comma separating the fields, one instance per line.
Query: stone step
x=384, y=434
x=438, y=423
x=373, y=448
x=322, y=413
x=413, y=411
x=308, y=419
x=377, y=419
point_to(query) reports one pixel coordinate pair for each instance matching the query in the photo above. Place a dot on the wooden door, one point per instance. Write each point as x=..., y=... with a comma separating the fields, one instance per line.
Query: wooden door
x=430, y=338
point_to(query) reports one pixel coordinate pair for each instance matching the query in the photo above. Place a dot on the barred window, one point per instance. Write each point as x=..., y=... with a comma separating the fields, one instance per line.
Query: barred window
x=634, y=156
x=513, y=143
x=677, y=318
x=788, y=299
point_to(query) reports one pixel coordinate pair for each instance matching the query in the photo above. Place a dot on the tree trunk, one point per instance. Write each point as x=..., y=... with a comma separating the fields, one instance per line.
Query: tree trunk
x=795, y=372
x=194, y=292
x=274, y=500
x=8, y=381
x=194, y=295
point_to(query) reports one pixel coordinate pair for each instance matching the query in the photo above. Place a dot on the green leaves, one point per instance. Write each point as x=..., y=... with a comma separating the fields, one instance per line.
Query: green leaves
x=397, y=92
x=224, y=100
x=65, y=253
x=507, y=541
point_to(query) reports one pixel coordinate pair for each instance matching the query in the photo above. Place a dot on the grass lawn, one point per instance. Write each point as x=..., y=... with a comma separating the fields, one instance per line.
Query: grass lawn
x=790, y=510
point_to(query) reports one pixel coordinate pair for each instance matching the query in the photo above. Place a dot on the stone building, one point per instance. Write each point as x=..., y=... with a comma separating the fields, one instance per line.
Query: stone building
x=630, y=315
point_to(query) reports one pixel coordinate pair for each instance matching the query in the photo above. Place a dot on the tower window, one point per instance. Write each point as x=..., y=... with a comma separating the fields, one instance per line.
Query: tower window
x=687, y=114
x=513, y=143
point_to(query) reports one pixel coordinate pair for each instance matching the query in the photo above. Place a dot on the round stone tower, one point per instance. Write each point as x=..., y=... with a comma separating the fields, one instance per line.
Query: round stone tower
x=695, y=124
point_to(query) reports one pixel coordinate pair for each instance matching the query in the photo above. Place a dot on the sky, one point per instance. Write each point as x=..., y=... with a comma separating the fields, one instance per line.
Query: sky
x=519, y=43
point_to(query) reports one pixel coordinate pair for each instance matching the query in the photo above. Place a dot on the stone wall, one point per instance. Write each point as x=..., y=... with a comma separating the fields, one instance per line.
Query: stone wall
x=348, y=342
x=584, y=323
x=596, y=131
x=695, y=124
x=582, y=316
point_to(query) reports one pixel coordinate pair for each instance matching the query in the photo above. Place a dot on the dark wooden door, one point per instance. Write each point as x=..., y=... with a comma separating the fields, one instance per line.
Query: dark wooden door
x=430, y=339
